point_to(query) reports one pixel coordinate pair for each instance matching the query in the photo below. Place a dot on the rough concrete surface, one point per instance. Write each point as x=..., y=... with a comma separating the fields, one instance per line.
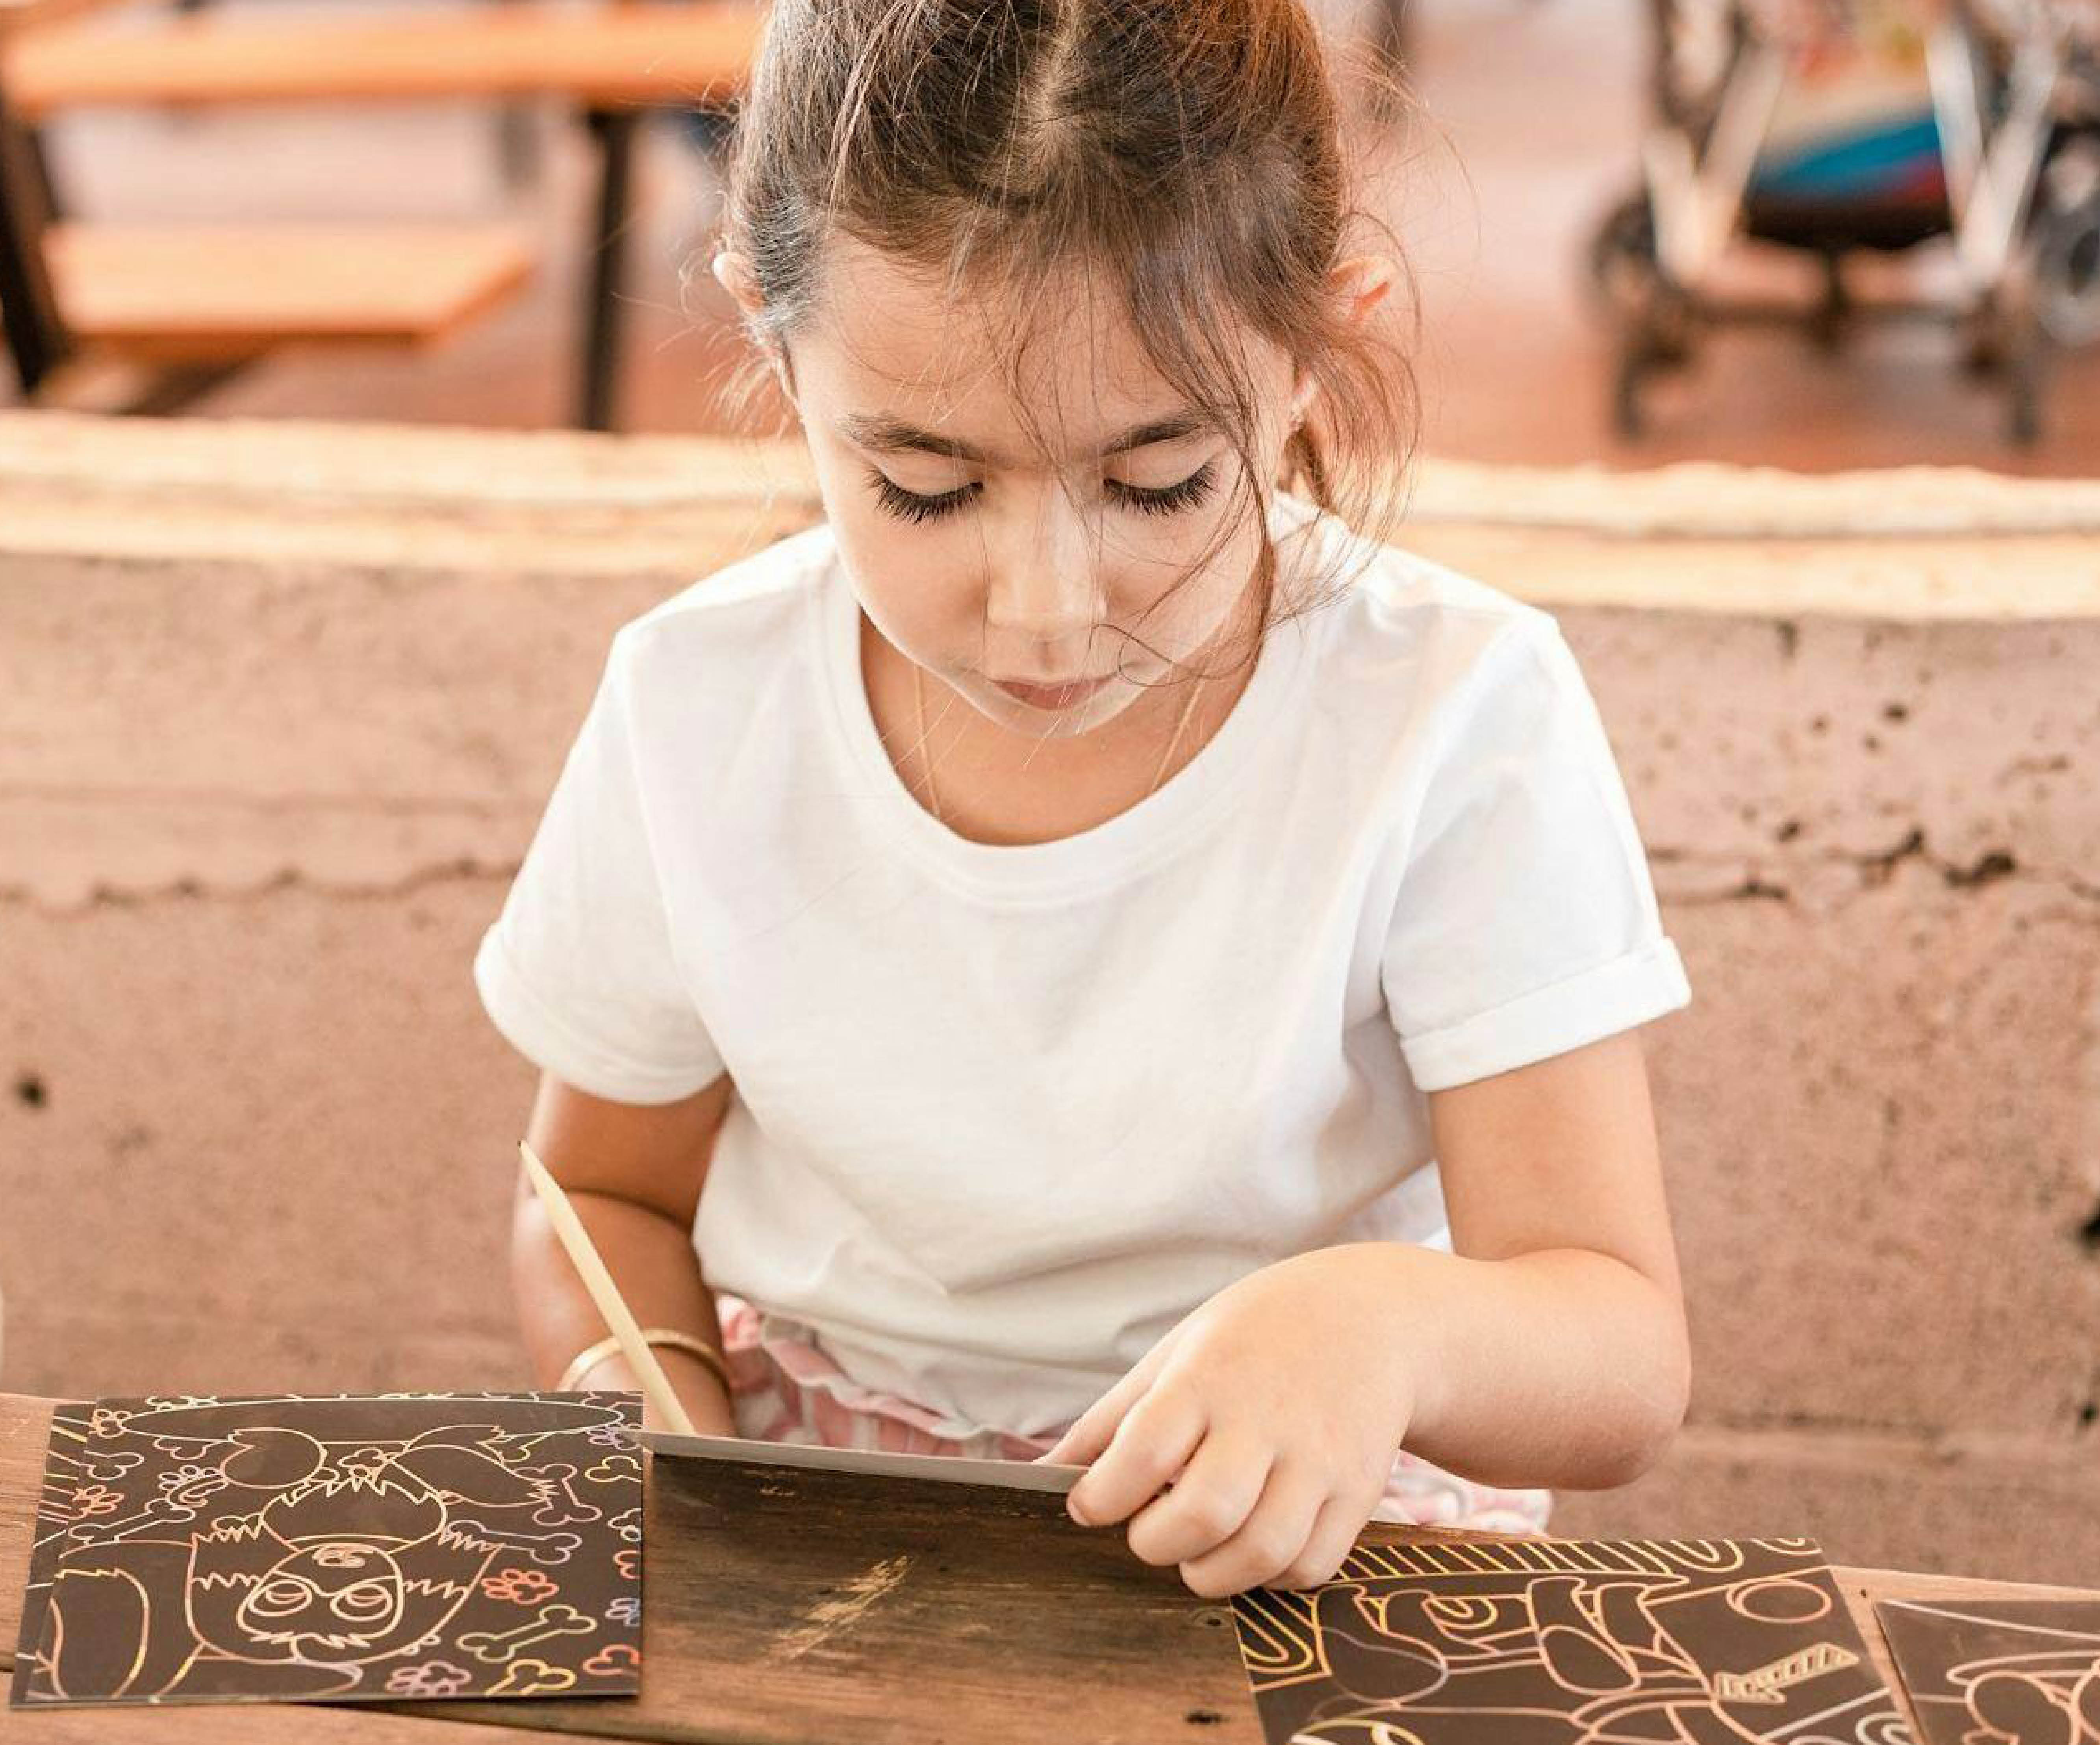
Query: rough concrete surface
x=278, y=706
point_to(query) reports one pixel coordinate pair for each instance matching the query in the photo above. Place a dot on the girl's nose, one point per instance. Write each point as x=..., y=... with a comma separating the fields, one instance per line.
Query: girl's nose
x=1043, y=584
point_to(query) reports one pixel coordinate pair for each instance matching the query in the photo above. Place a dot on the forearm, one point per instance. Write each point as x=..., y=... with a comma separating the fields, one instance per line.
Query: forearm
x=652, y=1260
x=1564, y=1366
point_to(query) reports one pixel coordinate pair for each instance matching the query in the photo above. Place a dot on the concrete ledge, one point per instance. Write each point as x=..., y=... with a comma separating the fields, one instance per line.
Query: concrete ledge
x=279, y=705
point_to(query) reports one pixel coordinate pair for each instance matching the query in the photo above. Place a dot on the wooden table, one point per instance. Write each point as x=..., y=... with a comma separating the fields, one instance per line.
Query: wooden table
x=18, y=14
x=611, y=65
x=817, y=1608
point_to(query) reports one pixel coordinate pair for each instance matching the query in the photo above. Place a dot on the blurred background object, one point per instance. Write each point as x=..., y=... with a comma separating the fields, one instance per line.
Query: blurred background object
x=1531, y=122
x=218, y=298
x=1838, y=128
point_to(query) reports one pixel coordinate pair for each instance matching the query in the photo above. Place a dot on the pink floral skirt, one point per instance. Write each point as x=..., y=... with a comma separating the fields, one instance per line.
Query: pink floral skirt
x=784, y=1389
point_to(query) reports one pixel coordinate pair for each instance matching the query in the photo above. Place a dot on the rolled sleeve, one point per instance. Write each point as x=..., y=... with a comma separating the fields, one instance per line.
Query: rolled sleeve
x=580, y=972
x=1526, y=922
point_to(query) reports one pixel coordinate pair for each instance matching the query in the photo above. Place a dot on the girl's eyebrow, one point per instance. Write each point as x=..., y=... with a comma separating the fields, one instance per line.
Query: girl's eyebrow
x=887, y=436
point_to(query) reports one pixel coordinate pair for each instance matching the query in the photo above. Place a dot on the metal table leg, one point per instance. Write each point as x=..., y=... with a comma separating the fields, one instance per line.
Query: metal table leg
x=28, y=307
x=604, y=315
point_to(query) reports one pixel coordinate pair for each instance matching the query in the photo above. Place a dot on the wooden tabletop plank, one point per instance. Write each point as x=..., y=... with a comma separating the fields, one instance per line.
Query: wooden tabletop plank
x=608, y=55
x=197, y=292
x=22, y=15
x=790, y=1607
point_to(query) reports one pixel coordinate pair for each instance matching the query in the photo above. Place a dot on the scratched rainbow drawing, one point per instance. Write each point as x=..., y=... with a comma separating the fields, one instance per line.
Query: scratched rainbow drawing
x=290, y=1548
x=1566, y=1642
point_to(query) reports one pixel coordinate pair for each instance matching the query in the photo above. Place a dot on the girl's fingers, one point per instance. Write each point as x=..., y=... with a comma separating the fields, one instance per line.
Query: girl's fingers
x=1081, y=1445
x=1090, y=1434
x=1333, y=1537
x=1213, y=1496
x=1268, y=1541
x=1149, y=1447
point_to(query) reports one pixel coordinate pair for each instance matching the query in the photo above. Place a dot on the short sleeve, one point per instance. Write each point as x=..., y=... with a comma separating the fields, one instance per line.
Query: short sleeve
x=1526, y=923
x=578, y=971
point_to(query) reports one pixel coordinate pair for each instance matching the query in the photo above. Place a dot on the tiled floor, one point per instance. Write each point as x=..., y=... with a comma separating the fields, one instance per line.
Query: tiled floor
x=1533, y=113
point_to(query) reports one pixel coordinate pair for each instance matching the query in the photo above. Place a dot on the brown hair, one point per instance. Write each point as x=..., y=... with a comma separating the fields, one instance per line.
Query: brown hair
x=1189, y=152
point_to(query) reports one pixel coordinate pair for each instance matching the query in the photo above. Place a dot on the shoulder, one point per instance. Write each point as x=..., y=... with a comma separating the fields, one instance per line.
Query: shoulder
x=1401, y=640
x=743, y=618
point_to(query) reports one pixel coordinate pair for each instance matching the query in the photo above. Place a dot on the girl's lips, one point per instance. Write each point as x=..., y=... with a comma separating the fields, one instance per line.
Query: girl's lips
x=1051, y=697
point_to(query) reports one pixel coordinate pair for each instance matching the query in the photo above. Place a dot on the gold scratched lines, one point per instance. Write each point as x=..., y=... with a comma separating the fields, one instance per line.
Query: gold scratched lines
x=1769, y=1683
x=1455, y=1633
x=1281, y=1643
x=1671, y=1558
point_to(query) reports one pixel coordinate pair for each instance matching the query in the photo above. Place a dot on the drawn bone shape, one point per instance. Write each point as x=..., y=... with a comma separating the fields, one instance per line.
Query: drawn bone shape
x=559, y=1480
x=546, y=1549
x=500, y=1646
x=527, y=1678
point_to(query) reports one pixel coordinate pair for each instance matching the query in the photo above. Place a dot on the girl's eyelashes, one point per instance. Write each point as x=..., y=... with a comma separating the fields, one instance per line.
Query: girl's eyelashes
x=909, y=506
x=913, y=506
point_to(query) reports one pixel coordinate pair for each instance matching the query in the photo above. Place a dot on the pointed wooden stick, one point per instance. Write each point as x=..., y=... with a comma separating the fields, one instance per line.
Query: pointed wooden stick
x=618, y=1318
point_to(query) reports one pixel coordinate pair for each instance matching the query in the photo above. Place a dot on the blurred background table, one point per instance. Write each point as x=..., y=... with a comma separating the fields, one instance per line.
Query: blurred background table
x=220, y=297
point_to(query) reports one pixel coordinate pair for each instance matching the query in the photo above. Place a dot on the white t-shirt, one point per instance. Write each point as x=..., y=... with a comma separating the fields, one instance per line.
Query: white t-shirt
x=1004, y=1114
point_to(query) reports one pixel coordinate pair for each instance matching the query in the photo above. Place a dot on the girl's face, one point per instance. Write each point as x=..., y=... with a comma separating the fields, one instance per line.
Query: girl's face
x=1030, y=564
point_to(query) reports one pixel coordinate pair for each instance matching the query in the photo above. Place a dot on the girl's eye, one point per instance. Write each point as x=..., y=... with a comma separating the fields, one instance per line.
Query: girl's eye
x=910, y=506
x=1167, y=498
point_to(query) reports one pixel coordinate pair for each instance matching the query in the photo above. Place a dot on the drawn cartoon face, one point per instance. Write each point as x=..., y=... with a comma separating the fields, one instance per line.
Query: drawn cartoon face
x=323, y=1599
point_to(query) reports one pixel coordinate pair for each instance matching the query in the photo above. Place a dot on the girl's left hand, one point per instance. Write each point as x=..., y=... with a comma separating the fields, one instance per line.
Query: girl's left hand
x=1274, y=1411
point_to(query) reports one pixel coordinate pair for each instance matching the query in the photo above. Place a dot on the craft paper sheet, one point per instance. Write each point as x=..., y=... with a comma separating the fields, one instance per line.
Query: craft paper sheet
x=1999, y=1671
x=951, y=1468
x=397, y=1545
x=1566, y=1642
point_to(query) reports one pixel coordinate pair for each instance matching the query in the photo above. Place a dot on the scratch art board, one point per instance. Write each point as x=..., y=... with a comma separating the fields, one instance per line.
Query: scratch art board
x=1999, y=1671
x=196, y=1549
x=1566, y=1642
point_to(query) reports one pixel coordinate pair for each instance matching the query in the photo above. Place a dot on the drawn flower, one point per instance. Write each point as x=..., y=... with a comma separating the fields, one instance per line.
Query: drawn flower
x=626, y=1610
x=613, y=1659
x=520, y=1587
x=428, y=1678
x=95, y=1499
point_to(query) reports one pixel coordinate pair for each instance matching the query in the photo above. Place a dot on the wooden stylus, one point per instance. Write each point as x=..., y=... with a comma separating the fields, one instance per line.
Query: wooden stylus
x=618, y=1318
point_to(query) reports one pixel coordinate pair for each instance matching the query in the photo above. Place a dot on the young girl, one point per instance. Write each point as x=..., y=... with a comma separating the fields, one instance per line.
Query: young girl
x=1145, y=975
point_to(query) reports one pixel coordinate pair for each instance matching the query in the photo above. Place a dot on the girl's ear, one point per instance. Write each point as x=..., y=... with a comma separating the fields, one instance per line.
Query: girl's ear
x=733, y=272
x=1361, y=283
x=1303, y=392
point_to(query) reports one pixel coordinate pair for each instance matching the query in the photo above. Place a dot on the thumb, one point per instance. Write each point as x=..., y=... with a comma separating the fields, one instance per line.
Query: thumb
x=1082, y=1444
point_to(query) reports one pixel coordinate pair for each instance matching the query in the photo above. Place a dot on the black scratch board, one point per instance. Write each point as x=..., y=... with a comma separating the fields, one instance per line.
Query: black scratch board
x=1566, y=1642
x=193, y=1549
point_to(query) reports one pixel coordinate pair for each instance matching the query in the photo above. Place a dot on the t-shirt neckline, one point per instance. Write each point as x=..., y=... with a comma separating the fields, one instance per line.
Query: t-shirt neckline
x=1105, y=854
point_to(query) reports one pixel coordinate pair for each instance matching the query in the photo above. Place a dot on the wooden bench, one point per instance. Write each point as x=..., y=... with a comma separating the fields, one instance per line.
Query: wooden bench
x=196, y=294
x=610, y=62
x=595, y=56
x=19, y=14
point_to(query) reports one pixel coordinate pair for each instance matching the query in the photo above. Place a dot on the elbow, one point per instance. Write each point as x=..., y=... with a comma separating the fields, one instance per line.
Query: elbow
x=1655, y=1396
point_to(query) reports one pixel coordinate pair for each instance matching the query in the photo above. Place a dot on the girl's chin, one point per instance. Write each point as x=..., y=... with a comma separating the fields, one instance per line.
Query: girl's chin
x=1037, y=721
